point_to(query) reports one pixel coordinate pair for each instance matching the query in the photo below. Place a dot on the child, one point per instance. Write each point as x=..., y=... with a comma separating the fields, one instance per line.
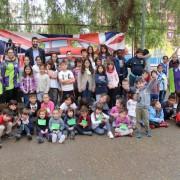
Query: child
x=34, y=105
x=66, y=79
x=13, y=108
x=42, y=123
x=54, y=86
x=123, y=125
x=25, y=125
x=84, y=122
x=156, y=116
x=86, y=80
x=56, y=127
x=168, y=108
x=70, y=123
x=104, y=53
x=143, y=103
x=155, y=86
x=68, y=103
x=47, y=104
x=146, y=76
x=36, y=67
x=101, y=81
x=100, y=122
x=162, y=78
x=28, y=83
x=5, y=124
x=43, y=83
x=113, y=81
x=91, y=56
x=119, y=106
x=131, y=107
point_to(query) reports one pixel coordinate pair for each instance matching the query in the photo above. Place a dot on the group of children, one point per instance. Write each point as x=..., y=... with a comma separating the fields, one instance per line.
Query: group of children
x=61, y=99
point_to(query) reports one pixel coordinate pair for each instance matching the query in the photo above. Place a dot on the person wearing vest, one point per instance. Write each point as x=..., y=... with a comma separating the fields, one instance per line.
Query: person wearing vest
x=10, y=75
x=137, y=65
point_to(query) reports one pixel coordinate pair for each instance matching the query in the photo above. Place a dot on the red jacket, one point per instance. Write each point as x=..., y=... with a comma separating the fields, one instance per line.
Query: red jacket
x=2, y=122
x=88, y=119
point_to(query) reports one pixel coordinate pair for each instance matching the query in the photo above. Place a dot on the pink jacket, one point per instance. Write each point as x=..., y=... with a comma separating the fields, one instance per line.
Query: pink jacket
x=113, y=79
x=48, y=106
x=126, y=121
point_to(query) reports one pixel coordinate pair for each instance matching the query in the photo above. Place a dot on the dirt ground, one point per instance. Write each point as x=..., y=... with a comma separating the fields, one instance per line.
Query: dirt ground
x=95, y=158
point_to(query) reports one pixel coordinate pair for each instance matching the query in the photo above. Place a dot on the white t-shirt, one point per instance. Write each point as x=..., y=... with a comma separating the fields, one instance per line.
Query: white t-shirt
x=65, y=75
x=35, y=70
x=131, y=106
x=64, y=107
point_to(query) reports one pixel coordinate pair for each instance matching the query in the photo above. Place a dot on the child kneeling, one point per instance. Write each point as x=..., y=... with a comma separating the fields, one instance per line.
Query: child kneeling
x=100, y=122
x=124, y=125
x=56, y=127
x=156, y=116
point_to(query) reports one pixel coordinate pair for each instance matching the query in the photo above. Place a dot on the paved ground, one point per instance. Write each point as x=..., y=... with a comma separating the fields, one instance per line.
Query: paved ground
x=95, y=158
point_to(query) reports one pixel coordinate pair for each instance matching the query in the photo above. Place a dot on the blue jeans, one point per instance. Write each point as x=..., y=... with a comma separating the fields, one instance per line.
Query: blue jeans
x=101, y=129
x=162, y=95
x=154, y=97
x=26, y=98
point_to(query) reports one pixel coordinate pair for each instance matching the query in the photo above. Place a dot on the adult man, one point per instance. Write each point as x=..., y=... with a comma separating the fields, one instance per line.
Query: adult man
x=35, y=51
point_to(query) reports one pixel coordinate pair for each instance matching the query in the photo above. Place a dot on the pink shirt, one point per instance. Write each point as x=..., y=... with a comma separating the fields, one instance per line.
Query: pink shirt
x=48, y=106
x=114, y=112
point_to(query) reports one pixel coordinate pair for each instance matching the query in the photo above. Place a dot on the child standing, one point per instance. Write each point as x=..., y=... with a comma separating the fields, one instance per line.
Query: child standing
x=131, y=107
x=70, y=123
x=155, y=86
x=113, y=81
x=100, y=122
x=56, y=127
x=5, y=124
x=47, y=105
x=43, y=83
x=66, y=79
x=36, y=67
x=101, y=81
x=156, y=116
x=42, y=123
x=25, y=125
x=123, y=125
x=162, y=78
x=143, y=103
x=28, y=83
x=84, y=122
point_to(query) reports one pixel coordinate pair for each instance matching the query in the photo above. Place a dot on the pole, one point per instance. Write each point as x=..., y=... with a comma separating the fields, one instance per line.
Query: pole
x=143, y=24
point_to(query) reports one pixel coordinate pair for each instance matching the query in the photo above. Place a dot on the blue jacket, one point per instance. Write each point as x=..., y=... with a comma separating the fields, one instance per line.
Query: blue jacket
x=156, y=116
x=101, y=83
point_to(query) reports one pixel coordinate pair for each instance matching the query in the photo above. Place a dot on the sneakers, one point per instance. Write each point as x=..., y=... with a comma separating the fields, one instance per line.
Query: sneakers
x=138, y=135
x=18, y=137
x=110, y=135
x=62, y=139
x=152, y=126
x=148, y=133
x=29, y=137
x=164, y=124
x=40, y=140
x=72, y=135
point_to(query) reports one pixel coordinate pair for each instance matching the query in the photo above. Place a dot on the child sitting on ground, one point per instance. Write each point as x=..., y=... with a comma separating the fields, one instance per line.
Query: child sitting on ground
x=42, y=123
x=70, y=123
x=84, y=122
x=47, y=104
x=156, y=116
x=123, y=124
x=13, y=108
x=25, y=125
x=56, y=127
x=100, y=122
x=5, y=124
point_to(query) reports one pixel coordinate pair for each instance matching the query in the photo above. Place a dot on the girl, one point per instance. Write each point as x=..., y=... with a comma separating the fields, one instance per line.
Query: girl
x=42, y=125
x=162, y=78
x=70, y=123
x=101, y=81
x=47, y=105
x=156, y=116
x=84, y=122
x=56, y=127
x=113, y=81
x=100, y=122
x=28, y=83
x=146, y=76
x=155, y=86
x=123, y=124
x=54, y=86
x=131, y=107
x=104, y=53
x=119, y=106
x=98, y=61
x=86, y=82
x=68, y=103
x=43, y=83
x=91, y=56
x=36, y=67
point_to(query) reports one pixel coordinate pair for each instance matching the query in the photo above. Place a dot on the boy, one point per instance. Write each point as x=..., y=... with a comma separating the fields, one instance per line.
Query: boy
x=66, y=78
x=168, y=107
x=143, y=103
x=5, y=124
